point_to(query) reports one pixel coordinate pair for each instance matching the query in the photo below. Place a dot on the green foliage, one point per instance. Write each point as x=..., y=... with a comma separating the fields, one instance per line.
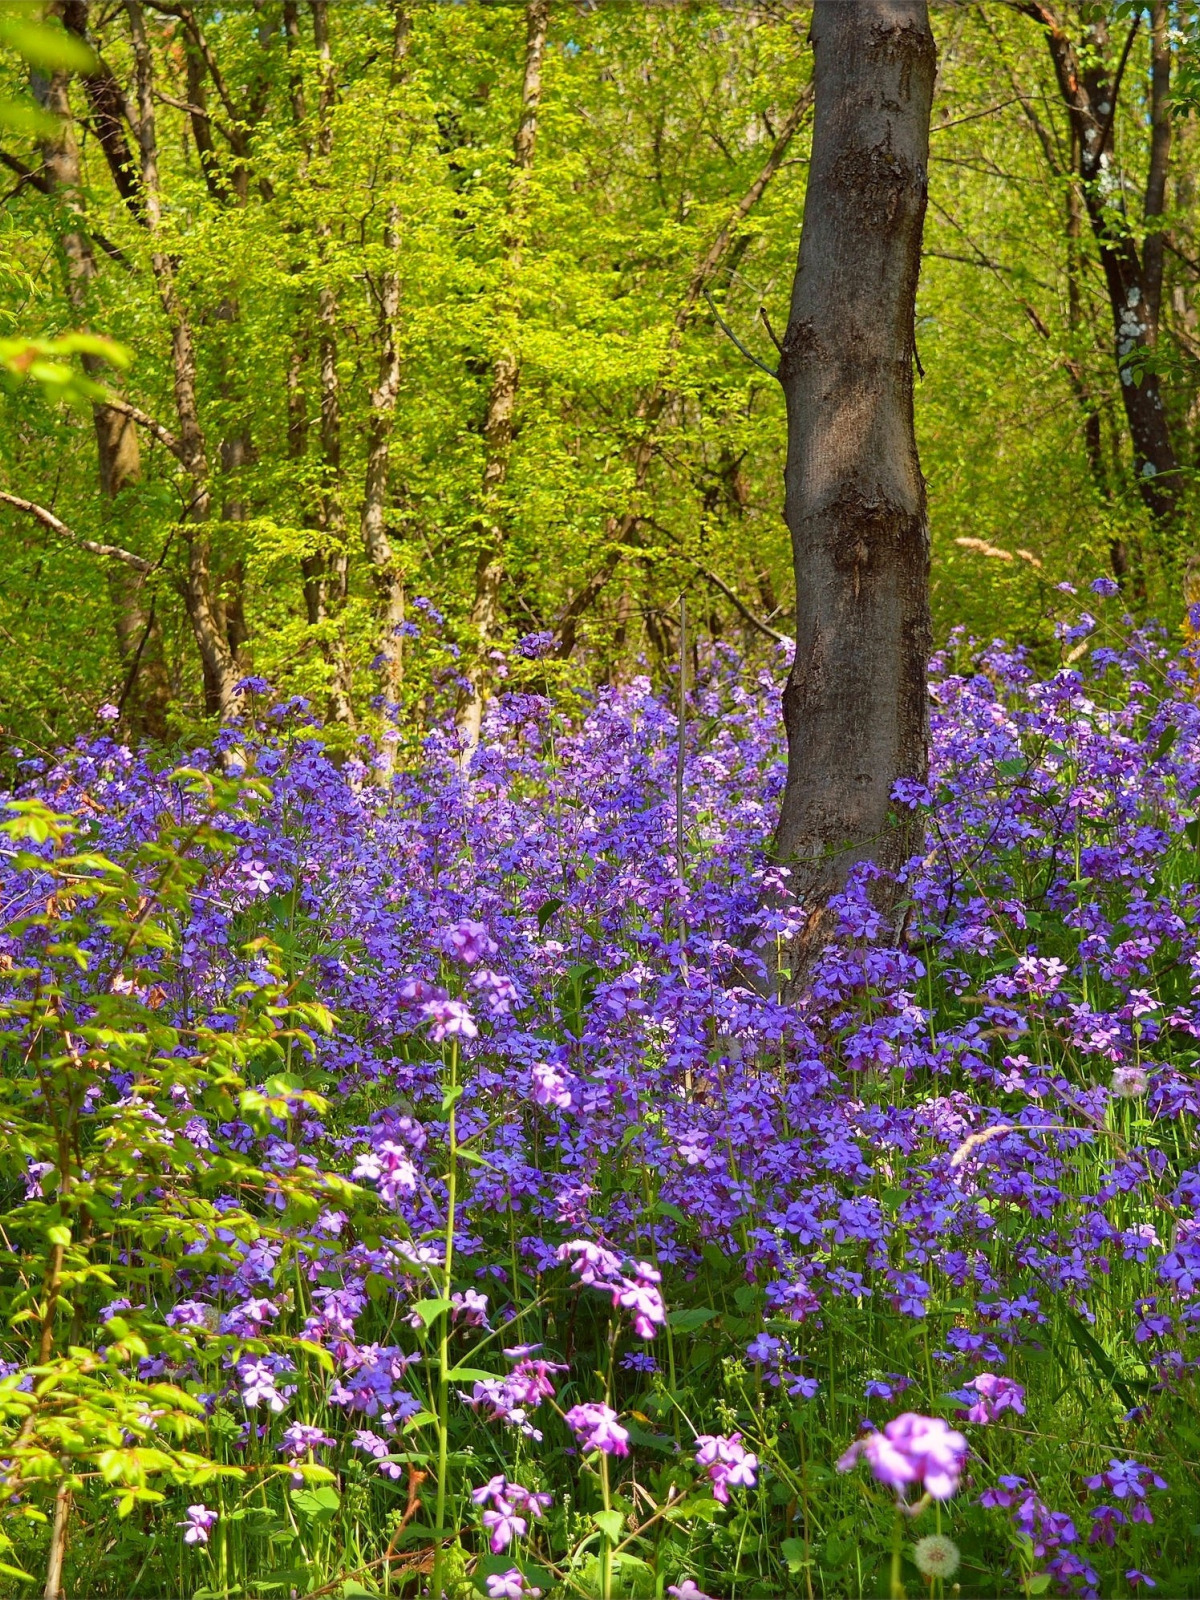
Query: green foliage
x=111, y=1210
x=324, y=177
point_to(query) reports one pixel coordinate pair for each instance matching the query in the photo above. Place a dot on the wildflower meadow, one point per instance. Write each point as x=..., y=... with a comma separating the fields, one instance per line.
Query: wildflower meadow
x=422, y=1185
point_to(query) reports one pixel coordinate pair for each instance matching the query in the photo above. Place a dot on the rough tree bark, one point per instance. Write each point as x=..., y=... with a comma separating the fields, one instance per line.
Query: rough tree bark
x=502, y=398
x=855, y=706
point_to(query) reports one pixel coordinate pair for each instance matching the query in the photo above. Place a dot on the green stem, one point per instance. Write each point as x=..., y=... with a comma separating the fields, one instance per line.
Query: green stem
x=897, y=1549
x=605, y=1541
x=444, y=1362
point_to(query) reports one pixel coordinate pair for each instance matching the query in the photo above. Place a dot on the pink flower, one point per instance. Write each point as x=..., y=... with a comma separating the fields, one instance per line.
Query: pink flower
x=596, y=1427
x=449, y=1019
x=199, y=1524
x=913, y=1449
x=550, y=1087
x=469, y=941
x=996, y=1394
x=510, y=1585
x=729, y=1464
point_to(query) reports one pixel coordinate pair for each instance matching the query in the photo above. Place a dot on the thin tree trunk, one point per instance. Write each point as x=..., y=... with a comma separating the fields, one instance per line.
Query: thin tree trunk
x=139, y=640
x=502, y=397
x=1090, y=95
x=219, y=667
x=331, y=512
x=855, y=705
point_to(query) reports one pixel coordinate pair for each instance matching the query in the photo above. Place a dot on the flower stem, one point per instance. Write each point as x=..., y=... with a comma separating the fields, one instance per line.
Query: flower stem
x=605, y=1541
x=443, y=1400
x=897, y=1549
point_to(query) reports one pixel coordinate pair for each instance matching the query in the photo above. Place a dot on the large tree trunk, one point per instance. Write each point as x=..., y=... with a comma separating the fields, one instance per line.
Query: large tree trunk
x=855, y=705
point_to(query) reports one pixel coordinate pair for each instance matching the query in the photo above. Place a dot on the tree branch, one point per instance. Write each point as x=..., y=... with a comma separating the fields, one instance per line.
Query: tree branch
x=26, y=174
x=144, y=420
x=729, y=333
x=735, y=599
x=57, y=526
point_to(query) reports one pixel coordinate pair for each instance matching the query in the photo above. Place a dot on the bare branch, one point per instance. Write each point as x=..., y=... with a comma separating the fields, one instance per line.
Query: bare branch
x=144, y=420
x=26, y=174
x=736, y=600
x=55, y=525
x=973, y=116
x=728, y=331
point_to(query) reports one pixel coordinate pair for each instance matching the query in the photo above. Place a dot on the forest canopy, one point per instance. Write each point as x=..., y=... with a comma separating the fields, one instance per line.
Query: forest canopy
x=466, y=347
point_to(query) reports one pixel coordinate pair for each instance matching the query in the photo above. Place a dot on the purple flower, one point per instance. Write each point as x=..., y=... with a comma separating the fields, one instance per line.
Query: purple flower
x=199, y=1524
x=449, y=1019
x=1127, y=1480
x=996, y=1394
x=470, y=1309
x=469, y=942
x=379, y=1449
x=258, y=1379
x=686, y=1590
x=596, y=1427
x=510, y=1585
x=107, y=712
x=510, y=1507
x=533, y=646
x=912, y=1449
x=549, y=1087
x=728, y=1463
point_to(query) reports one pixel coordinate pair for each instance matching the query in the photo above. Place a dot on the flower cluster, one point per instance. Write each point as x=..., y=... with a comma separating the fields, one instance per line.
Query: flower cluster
x=912, y=1450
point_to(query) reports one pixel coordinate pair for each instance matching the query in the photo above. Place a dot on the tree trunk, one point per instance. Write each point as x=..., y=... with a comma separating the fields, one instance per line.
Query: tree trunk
x=855, y=706
x=502, y=397
x=139, y=639
x=199, y=590
x=1090, y=95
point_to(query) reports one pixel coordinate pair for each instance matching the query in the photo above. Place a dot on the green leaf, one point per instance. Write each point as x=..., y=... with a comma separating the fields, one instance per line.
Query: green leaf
x=430, y=1310
x=59, y=1234
x=691, y=1319
x=793, y=1553
x=702, y=1506
x=316, y=1503
x=451, y=1098
x=646, y=1440
x=610, y=1524
x=45, y=47
x=545, y=911
x=470, y=1375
